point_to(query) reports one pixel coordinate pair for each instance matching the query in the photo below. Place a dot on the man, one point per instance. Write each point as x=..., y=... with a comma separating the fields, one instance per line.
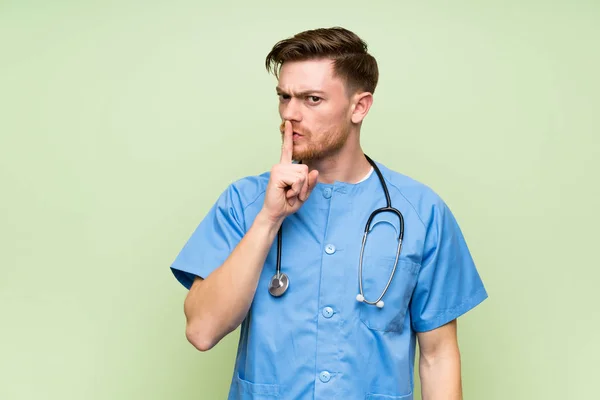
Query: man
x=323, y=330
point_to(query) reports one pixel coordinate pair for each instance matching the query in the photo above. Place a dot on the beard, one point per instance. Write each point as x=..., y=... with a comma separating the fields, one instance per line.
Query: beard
x=327, y=144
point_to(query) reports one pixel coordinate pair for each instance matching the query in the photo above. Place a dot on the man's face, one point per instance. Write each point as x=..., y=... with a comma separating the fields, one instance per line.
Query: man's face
x=317, y=105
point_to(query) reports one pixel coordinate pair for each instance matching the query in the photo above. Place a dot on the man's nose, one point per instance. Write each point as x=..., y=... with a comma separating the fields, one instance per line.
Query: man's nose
x=291, y=110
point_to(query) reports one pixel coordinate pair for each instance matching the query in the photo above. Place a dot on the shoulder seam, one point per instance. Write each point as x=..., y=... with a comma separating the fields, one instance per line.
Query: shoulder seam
x=254, y=201
x=409, y=202
x=245, y=206
x=260, y=193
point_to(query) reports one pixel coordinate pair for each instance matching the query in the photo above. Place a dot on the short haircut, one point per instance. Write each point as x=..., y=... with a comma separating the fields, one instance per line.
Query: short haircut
x=351, y=61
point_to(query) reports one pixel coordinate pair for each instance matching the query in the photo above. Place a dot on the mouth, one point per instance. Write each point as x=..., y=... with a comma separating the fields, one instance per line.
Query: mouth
x=295, y=135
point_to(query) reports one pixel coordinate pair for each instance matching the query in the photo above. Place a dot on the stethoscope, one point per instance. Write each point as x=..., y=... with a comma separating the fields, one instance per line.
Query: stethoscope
x=280, y=281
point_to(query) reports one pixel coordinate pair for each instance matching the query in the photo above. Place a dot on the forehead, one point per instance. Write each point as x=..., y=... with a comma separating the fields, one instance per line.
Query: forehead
x=309, y=74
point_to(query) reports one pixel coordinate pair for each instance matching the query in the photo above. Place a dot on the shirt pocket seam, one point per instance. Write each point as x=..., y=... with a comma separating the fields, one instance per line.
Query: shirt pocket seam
x=263, y=389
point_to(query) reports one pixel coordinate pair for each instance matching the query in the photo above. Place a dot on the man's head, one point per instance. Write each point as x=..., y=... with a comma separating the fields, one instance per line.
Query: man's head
x=326, y=81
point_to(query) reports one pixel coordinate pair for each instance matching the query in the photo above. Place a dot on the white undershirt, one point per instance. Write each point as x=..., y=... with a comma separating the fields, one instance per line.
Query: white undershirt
x=367, y=176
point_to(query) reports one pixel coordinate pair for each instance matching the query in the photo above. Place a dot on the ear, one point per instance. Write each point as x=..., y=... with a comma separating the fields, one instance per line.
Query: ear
x=361, y=103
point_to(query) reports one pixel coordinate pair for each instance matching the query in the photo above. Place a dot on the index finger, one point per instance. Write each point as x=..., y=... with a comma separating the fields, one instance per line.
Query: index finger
x=288, y=143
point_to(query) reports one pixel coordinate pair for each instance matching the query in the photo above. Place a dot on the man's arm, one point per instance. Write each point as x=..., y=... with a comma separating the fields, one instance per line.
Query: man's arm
x=439, y=363
x=218, y=304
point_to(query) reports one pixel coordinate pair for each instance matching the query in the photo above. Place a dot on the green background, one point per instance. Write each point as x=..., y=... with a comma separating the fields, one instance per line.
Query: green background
x=121, y=122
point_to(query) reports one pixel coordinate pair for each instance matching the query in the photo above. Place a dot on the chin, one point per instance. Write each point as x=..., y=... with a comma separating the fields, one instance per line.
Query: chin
x=308, y=155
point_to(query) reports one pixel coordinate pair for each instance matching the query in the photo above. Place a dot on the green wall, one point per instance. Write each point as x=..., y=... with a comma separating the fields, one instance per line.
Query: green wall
x=122, y=121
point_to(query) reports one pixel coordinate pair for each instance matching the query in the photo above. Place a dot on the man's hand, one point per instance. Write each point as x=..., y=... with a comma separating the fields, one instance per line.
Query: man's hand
x=290, y=184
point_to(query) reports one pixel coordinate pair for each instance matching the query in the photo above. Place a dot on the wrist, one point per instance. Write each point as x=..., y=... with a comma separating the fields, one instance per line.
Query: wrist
x=265, y=219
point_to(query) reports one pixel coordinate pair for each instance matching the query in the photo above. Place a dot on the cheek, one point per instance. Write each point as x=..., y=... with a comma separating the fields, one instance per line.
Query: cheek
x=325, y=120
x=332, y=121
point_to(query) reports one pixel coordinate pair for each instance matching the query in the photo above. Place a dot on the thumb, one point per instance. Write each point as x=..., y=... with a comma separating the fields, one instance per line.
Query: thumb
x=312, y=181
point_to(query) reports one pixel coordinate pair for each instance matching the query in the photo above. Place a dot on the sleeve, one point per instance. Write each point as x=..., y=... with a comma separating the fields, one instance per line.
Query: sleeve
x=448, y=284
x=213, y=240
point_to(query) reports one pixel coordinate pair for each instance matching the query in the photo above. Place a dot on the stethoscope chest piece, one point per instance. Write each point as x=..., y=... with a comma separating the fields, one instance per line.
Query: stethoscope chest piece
x=279, y=284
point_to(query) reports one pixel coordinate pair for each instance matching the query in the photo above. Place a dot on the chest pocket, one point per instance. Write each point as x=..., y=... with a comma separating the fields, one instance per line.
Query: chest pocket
x=377, y=267
x=376, y=273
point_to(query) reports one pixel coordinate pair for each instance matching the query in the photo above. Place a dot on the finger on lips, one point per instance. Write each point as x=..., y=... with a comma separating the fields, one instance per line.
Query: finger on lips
x=300, y=185
x=288, y=142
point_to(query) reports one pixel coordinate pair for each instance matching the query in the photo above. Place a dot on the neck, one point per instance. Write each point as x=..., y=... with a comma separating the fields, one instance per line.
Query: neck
x=349, y=165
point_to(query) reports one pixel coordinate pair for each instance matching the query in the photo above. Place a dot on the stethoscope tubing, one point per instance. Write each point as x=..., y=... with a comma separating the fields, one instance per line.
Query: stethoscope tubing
x=280, y=281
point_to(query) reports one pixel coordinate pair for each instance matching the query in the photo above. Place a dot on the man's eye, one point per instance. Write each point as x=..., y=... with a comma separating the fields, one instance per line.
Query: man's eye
x=314, y=99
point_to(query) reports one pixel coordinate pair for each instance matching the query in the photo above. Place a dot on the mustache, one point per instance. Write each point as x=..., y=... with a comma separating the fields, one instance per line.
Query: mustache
x=295, y=130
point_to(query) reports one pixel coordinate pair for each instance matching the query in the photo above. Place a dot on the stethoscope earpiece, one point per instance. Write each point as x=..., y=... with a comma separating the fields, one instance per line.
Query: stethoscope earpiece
x=361, y=299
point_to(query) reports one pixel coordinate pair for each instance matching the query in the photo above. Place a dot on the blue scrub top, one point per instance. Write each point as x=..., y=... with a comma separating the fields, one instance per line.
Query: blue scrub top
x=317, y=341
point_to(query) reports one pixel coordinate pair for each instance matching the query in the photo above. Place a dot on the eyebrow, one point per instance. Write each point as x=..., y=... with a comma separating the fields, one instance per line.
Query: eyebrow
x=300, y=94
